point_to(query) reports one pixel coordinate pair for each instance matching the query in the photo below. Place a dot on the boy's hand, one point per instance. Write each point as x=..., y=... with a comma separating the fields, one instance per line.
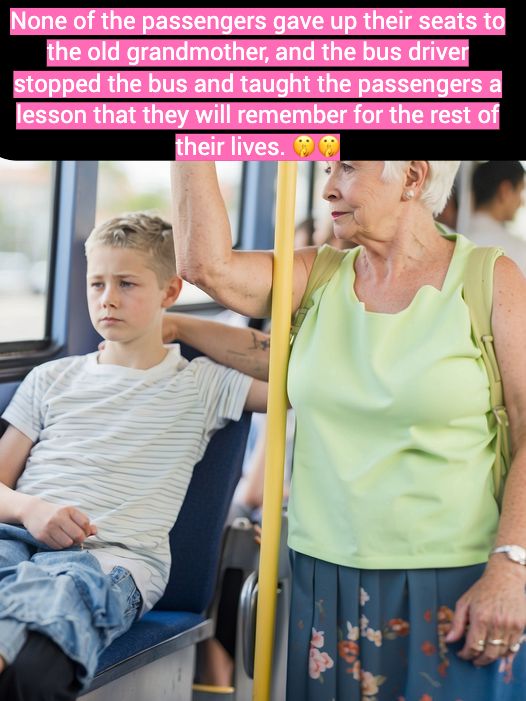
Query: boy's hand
x=169, y=327
x=56, y=525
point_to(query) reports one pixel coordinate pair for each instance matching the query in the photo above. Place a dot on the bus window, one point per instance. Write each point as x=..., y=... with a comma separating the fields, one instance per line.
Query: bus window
x=126, y=186
x=26, y=206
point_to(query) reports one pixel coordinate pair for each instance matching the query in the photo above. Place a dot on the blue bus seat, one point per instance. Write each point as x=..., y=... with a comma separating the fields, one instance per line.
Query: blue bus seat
x=178, y=620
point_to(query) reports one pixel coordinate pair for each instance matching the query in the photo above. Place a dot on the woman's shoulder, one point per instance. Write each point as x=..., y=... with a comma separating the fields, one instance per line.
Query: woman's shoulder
x=303, y=262
x=306, y=256
x=324, y=255
x=509, y=305
x=509, y=283
x=314, y=266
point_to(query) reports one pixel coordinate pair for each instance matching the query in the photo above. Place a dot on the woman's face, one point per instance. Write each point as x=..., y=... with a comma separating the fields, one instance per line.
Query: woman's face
x=360, y=202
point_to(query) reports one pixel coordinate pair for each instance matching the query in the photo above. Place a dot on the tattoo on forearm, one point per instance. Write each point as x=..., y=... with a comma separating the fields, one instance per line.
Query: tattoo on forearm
x=259, y=343
x=233, y=351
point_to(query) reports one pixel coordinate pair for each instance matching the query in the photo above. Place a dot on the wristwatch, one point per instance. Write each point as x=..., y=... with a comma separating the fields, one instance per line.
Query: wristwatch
x=513, y=552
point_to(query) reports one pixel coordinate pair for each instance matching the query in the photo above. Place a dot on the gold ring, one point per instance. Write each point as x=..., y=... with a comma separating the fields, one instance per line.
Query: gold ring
x=479, y=646
x=515, y=647
x=497, y=641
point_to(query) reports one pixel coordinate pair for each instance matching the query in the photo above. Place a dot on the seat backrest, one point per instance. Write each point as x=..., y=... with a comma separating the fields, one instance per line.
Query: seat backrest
x=195, y=539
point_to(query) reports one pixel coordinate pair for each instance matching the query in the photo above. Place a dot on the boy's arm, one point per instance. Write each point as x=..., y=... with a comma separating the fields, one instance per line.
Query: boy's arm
x=14, y=450
x=257, y=397
x=243, y=349
x=55, y=525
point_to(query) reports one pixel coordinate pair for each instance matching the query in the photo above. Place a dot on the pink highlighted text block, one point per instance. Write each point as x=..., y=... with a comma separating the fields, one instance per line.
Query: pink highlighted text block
x=267, y=21
x=256, y=116
x=255, y=84
x=256, y=53
x=256, y=147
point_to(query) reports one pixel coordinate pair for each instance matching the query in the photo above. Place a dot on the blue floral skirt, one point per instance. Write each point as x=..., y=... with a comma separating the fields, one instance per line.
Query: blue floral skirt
x=379, y=635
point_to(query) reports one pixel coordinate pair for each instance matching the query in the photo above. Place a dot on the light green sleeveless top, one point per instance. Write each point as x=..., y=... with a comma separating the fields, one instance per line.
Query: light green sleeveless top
x=393, y=457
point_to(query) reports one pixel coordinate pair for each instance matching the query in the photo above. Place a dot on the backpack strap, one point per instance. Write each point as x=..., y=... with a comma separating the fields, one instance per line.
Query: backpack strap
x=478, y=295
x=325, y=265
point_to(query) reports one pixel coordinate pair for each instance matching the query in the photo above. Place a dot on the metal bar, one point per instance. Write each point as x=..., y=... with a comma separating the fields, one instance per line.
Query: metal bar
x=277, y=414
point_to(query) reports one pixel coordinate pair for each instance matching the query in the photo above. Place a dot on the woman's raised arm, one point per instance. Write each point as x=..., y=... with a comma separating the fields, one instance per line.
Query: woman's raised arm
x=240, y=280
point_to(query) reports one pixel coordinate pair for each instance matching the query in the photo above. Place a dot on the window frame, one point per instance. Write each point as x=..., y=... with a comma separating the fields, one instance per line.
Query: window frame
x=19, y=354
x=67, y=322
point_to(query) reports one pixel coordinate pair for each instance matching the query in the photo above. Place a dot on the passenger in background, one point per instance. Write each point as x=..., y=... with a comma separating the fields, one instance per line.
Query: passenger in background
x=498, y=192
x=449, y=215
x=398, y=592
x=94, y=467
x=303, y=233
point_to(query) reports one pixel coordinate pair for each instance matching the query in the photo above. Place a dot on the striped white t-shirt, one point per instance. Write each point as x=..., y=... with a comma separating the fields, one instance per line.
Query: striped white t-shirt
x=120, y=444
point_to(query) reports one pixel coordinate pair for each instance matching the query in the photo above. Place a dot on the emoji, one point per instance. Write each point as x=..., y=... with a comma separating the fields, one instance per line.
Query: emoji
x=303, y=145
x=328, y=146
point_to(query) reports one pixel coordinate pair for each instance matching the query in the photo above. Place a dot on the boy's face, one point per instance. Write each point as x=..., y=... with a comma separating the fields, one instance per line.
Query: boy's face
x=124, y=298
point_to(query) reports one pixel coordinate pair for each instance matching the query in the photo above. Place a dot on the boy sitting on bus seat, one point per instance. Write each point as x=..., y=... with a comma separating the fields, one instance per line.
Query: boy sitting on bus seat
x=94, y=467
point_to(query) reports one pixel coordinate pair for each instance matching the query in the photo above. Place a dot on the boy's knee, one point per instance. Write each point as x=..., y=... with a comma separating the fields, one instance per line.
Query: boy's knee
x=41, y=672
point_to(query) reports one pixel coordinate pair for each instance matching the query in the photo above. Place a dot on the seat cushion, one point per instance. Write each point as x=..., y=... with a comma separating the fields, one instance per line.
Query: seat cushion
x=154, y=628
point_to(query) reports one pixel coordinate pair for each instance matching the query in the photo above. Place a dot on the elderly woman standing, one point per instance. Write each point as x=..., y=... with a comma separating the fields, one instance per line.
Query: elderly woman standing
x=392, y=516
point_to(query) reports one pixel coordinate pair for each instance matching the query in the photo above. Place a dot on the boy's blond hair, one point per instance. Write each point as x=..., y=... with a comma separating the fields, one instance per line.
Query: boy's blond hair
x=139, y=231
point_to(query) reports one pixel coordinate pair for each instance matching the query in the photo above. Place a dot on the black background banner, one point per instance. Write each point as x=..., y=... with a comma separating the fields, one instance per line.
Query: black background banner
x=506, y=53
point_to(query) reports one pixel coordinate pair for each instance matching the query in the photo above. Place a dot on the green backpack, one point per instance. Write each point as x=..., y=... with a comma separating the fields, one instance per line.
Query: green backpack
x=478, y=295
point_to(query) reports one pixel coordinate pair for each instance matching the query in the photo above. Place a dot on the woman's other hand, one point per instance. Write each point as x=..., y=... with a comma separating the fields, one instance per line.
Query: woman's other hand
x=492, y=613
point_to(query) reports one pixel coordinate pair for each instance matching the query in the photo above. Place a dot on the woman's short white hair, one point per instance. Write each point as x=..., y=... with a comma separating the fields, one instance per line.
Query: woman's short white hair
x=438, y=183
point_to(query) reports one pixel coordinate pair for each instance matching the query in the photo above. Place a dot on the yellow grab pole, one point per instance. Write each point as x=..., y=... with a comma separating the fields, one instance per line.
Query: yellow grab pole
x=276, y=421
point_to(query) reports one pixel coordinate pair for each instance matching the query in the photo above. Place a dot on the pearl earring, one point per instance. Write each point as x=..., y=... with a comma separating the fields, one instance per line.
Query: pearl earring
x=409, y=194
